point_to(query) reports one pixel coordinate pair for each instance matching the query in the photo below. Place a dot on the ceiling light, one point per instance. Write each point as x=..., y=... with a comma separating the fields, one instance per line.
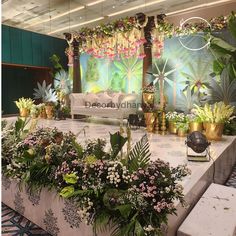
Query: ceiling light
x=198, y=6
x=76, y=25
x=55, y=17
x=93, y=3
x=137, y=7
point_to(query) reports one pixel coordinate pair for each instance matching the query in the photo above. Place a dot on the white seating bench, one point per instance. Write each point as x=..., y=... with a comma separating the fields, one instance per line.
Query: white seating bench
x=214, y=214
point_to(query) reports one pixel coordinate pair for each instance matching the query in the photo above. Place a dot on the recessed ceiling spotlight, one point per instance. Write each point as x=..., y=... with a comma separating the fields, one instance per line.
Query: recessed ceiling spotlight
x=80, y=17
x=113, y=6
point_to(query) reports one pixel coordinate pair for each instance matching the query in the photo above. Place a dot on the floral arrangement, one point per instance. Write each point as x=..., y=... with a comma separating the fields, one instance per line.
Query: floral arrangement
x=123, y=190
x=149, y=89
x=193, y=118
x=216, y=113
x=125, y=37
x=172, y=116
x=24, y=103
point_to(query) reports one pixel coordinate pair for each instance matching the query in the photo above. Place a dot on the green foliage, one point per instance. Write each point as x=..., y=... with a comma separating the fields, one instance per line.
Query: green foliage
x=62, y=82
x=45, y=92
x=67, y=191
x=56, y=62
x=232, y=24
x=24, y=103
x=224, y=91
x=117, y=142
x=117, y=84
x=187, y=100
x=107, y=191
x=216, y=113
x=198, y=78
x=92, y=73
x=225, y=53
x=230, y=127
x=128, y=69
x=70, y=178
x=139, y=156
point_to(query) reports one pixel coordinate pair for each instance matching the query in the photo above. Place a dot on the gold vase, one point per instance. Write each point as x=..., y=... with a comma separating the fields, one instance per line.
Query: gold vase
x=214, y=131
x=172, y=127
x=49, y=111
x=195, y=126
x=24, y=112
x=182, y=133
x=148, y=98
x=149, y=121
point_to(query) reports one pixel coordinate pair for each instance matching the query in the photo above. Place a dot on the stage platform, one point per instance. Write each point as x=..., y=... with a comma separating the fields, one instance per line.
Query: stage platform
x=169, y=148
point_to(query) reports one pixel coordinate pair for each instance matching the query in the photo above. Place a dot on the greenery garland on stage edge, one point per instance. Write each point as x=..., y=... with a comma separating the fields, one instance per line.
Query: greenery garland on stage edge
x=124, y=191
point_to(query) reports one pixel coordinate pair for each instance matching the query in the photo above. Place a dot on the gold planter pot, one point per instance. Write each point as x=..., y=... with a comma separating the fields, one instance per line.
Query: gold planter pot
x=24, y=112
x=172, y=127
x=214, y=131
x=195, y=126
x=150, y=121
x=43, y=114
x=49, y=111
x=182, y=133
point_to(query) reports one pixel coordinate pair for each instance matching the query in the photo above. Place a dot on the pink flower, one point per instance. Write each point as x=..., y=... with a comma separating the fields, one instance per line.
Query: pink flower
x=141, y=56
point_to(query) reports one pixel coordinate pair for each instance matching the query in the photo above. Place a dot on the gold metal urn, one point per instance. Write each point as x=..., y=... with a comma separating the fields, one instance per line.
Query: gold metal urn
x=195, y=126
x=214, y=131
x=148, y=98
x=150, y=121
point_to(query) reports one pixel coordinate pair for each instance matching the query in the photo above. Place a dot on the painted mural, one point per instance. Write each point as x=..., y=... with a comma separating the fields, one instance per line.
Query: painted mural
x=179, y=66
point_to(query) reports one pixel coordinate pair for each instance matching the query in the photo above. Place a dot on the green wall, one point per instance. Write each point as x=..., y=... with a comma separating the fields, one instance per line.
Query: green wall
x=29, y=48
x=26, y=48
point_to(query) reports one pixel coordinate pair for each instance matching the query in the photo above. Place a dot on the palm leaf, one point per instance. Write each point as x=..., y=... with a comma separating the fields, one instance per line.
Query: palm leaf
x=186, y=101
x=139, y=157
x=224, y=91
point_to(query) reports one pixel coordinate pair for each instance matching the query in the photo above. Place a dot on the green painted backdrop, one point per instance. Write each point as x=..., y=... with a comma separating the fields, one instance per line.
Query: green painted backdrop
x=25, y=48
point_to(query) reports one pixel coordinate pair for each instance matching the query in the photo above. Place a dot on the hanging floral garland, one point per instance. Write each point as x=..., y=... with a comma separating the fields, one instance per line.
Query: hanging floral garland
x=125, y=37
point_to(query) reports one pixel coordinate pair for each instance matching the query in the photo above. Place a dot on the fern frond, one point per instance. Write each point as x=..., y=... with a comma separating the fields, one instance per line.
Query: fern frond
x=139, y=157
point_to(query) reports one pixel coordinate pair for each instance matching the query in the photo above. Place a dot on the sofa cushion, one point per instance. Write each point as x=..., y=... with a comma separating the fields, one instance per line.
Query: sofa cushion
x=117, y=98
x=90, y=99
x=104, y=99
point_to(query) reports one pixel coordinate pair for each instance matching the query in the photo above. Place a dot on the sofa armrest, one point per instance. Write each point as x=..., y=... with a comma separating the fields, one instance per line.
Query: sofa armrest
x=77, y=99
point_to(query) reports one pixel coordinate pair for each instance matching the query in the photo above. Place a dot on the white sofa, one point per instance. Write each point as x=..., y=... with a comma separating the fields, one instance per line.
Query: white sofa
x=104, y=104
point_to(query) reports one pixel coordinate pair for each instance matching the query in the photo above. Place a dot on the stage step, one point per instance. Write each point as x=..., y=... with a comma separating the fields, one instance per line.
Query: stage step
x=214, y=214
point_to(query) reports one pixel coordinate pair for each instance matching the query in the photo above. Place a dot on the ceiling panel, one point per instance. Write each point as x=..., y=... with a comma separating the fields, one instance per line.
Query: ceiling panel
x=38, y=15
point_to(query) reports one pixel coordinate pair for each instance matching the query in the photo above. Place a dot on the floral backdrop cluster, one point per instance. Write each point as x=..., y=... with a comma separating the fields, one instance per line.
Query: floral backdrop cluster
x=126, y=36
x=119, y=187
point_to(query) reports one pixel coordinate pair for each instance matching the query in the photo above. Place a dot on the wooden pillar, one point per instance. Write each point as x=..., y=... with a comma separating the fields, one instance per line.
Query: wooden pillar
x=76, y=68
x=147, y=60
x=77, y=88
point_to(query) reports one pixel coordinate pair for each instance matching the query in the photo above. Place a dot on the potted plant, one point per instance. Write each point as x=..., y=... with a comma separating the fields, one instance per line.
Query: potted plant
x=214, y=117
x=49, y=109
x=172, y=118
x=48, y=96
x=42, y=112
x=34, y=111
x=195, y=123
x=182, y=125
x=24, y=105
